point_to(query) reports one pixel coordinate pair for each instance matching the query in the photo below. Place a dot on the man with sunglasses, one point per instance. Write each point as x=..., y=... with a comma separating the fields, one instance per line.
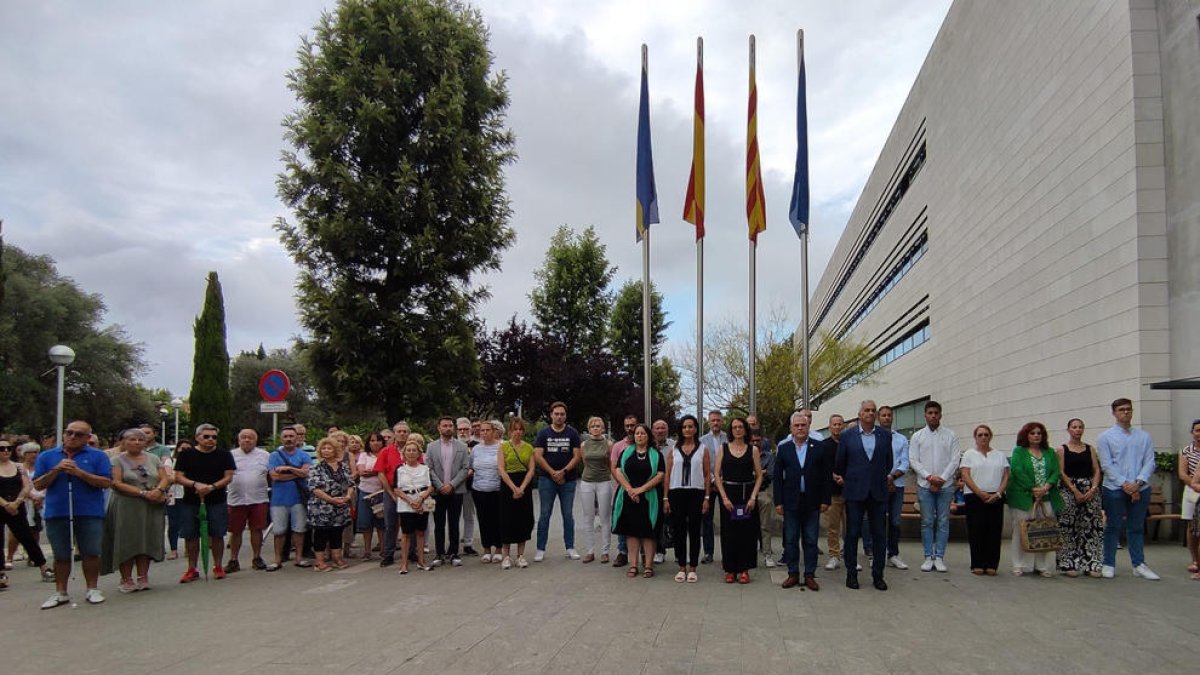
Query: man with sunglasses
x=74, y=477
x=204, y=473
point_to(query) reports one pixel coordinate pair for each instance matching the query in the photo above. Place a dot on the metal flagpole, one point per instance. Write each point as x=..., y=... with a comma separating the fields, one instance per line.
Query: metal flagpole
x=700, y=279
x=753, y=277
x=646, y=293
x=804, y=254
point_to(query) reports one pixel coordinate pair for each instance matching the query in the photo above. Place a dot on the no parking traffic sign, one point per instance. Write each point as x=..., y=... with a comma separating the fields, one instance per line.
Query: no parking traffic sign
x=274, y=385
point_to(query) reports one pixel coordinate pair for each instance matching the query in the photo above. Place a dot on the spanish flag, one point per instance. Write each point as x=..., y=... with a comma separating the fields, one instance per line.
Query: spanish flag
x=756, y=201
x=693, y=204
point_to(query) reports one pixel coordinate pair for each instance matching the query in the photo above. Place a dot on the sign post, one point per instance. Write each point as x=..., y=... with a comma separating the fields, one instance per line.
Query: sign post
x=274, y=386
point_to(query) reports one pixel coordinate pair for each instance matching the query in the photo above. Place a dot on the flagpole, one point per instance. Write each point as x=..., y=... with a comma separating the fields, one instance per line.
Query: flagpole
x=646, y=293
x=753, y=280
x=804, y=250
x=699, y=272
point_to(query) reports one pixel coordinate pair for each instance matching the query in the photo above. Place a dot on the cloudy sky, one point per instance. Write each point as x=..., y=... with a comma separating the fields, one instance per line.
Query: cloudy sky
x=141, y=141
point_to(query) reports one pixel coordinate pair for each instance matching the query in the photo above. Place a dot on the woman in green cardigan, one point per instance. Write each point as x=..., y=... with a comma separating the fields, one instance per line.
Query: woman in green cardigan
x=1033, y=478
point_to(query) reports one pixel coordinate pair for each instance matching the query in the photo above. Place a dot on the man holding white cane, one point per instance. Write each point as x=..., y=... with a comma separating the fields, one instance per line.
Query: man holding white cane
x=74, y=477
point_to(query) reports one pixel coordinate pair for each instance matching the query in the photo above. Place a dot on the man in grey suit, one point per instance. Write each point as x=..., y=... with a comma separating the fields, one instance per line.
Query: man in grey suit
x=446, y=458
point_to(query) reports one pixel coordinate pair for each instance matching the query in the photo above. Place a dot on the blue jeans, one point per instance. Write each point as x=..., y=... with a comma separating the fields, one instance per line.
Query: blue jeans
x=801, y=525
x=935, y=519
x=547, y=491
x=1119, y=507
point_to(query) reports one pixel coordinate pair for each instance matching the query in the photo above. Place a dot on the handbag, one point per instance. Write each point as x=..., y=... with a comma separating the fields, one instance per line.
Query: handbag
x=375, y=501
x=1040, y=533
x=429, y=505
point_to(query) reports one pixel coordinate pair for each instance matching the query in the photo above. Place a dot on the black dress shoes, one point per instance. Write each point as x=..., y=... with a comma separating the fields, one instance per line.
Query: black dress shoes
x=852, y=583
x=880, y=584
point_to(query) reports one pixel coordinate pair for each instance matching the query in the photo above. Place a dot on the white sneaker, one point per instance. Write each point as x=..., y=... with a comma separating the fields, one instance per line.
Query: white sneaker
x=571, y=554
x=659, y=558
x=522, y=562
x=833, y=563
x=927, y=566
x=770, y=561
x=506, y=564
x=539, y=556
x=858, y=566
x=56, y=600
x=94, y=596
x=1108, y=571
x=940, y=565
x=1145, y=573
x=896, y=562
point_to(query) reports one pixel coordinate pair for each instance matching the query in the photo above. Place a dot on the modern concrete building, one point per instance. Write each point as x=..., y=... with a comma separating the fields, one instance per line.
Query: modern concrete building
x=1028, y=244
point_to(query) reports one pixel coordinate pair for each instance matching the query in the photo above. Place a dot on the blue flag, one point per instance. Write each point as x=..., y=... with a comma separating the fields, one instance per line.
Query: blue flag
x=798, y=211
x=647, y=195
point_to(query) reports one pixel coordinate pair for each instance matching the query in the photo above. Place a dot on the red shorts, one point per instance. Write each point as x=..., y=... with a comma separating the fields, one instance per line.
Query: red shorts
x=255, y=514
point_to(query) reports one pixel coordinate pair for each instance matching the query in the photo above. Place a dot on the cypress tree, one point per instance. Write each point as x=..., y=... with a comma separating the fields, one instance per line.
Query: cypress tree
x=210, y=397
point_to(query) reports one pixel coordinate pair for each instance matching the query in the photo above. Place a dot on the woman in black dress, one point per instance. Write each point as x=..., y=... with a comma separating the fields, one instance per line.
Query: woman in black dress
x=636, y=510
x=739, y=476
x=1082, y=520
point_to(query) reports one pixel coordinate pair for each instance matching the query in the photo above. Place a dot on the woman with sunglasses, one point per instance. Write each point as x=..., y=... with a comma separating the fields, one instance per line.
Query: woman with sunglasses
x=15, y=487
x=133, y=524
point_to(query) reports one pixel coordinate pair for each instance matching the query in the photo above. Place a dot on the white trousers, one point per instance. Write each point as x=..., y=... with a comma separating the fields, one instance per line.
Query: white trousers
x=597, y=499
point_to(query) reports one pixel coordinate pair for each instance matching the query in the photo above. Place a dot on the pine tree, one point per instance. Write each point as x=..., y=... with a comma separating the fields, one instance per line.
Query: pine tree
x=210, y=398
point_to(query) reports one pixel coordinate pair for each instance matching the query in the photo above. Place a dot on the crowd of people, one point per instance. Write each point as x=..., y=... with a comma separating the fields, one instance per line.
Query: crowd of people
x=658, y=493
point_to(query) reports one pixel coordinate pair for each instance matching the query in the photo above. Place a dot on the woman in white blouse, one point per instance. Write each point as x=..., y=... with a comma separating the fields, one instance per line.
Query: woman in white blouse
x=413, y=487
x=985, y=477
x=485, y=488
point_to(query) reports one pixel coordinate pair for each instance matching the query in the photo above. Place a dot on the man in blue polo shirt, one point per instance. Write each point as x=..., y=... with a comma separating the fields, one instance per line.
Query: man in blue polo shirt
x=74, y=477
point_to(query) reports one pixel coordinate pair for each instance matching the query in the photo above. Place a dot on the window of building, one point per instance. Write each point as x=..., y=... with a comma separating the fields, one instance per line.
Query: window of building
x=904, y=345
x=894, y=276
x=910, y=173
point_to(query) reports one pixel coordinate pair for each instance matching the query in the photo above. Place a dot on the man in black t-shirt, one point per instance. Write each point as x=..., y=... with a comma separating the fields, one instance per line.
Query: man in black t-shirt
x=204, y=473
x=557, y=451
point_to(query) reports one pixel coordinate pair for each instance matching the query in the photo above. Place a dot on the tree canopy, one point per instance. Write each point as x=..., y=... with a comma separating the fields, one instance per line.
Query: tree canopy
x=395, y=179
x=570, y=301
x=41, y=308
x=209, y=397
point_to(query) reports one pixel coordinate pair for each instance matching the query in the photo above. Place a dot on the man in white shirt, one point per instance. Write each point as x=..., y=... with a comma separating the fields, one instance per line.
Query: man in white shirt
x=934, y=456
x=712, y=442
x=249, y=502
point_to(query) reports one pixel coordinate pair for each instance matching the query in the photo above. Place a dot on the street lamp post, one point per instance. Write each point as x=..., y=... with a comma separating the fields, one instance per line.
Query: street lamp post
x=176, y=403
x=162, y=418
x=61, y=356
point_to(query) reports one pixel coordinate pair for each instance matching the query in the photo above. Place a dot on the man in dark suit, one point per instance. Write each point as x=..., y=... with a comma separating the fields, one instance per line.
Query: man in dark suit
x=802, y=493
x=862, y=464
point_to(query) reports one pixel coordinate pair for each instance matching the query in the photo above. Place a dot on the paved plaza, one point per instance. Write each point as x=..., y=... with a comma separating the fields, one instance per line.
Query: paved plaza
x=560, y=616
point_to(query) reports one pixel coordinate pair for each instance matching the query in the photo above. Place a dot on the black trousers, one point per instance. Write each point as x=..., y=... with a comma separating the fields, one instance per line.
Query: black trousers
x=487, y=515
x=327, y=537
x=686, y=507
x=985, y=523
x=448, y=507
x=18, y=524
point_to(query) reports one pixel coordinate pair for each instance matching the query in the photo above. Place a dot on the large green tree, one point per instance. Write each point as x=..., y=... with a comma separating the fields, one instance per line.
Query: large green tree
x=209, y=398
x=395, y=178
x=570, y=300
x=625, y=342
x=40, y=308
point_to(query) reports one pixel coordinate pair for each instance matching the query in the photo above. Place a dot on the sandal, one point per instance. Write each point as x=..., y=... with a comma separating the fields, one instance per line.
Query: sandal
x=978, y=571
x=273, y=567
x=341, y=564
x=1196, y=576
x=303, y=563
x=680, y=577
x=692, y=577
x=322, y=567
x=1018, y=573
x=1194, y=568
x=729, y=577
x=632, y=571
x=403, y=570
x=744, y=578
x=604, y=558
x=648, y=573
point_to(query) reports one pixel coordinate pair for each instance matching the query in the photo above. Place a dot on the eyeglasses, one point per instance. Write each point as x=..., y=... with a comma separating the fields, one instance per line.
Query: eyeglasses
x=5, y=447
x=72, y=432
x=207, y=436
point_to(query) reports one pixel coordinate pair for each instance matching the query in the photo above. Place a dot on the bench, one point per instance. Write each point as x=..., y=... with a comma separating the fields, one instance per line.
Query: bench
x=1158, y=511
x=912, y=509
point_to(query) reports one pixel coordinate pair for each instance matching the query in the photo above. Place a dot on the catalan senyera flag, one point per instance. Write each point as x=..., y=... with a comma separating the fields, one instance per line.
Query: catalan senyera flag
x=798, y=211
x=647, y=195
x=693, y=204
x=756, y=201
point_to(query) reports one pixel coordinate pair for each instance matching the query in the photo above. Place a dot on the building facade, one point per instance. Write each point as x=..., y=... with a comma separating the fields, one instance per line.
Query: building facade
x=1027, y=246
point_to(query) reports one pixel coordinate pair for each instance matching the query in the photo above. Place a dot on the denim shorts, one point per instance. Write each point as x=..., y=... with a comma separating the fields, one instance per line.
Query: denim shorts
x=283, y=516
x=366, y=519
x=189, y=520
x=89, y=532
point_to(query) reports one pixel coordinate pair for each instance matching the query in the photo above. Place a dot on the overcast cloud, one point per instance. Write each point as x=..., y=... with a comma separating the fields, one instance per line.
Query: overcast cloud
x=141, y=143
